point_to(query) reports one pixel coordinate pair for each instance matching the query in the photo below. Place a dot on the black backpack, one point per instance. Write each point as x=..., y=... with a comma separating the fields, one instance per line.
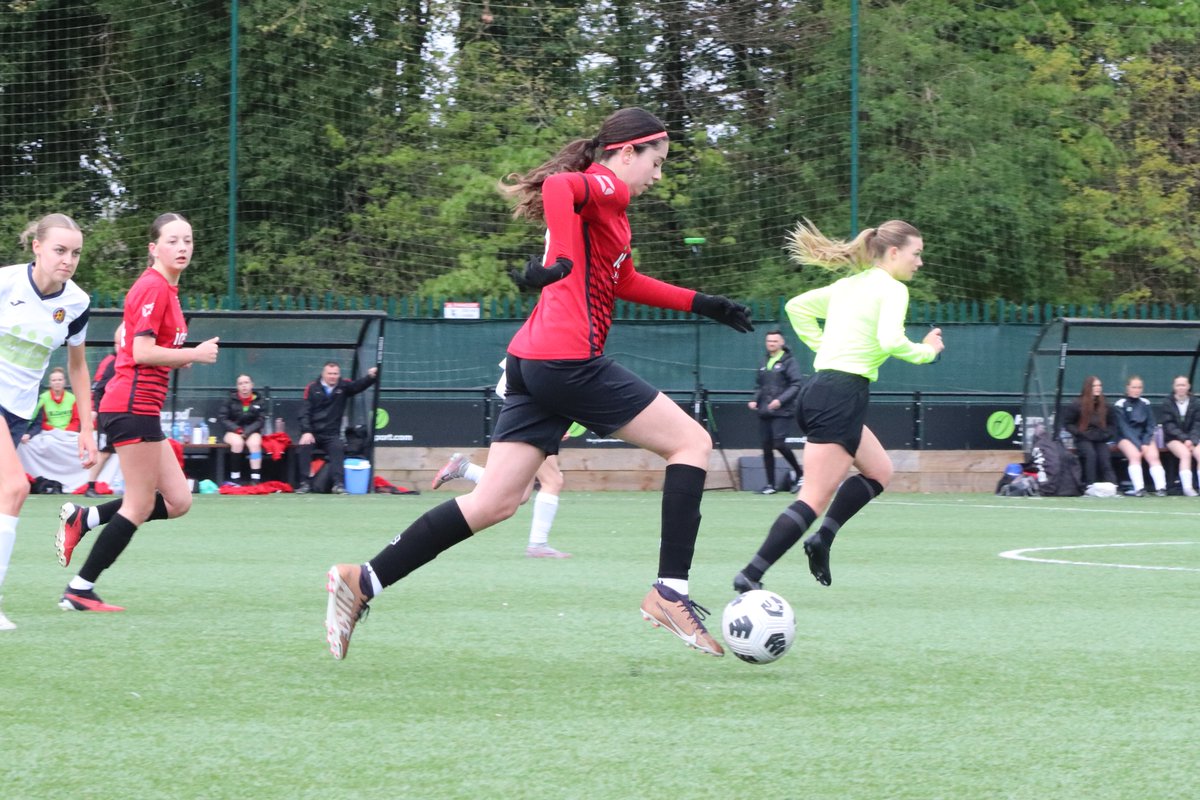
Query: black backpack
x=1058, y=470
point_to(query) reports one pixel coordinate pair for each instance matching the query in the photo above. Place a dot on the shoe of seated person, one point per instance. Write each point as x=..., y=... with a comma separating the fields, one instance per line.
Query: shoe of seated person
x=91, y=492
x=304, y=488
x=767, y=490
x=338, y=488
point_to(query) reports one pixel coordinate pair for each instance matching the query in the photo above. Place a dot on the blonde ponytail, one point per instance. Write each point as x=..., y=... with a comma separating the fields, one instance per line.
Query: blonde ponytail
x=806, y=245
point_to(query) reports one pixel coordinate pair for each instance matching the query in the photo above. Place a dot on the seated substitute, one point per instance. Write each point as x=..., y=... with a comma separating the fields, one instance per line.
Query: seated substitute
x=1087, y=419
x=242, y=418
x=321, y=422
x=1135, y=438
x=1180, y=418
x=56, y=407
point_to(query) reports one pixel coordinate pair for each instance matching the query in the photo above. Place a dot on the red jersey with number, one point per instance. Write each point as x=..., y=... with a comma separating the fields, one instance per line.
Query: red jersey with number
x=151, y=309
x=586, y=222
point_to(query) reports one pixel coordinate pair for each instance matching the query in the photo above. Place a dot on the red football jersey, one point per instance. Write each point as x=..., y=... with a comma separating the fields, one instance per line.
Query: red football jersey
x=151, y=309
x=586, y=222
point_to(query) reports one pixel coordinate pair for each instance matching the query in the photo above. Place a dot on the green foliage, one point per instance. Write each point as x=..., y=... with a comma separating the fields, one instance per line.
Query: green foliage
x=1046, y=150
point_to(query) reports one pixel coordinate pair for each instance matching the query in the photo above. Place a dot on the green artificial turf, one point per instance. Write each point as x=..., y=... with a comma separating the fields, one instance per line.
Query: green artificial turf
x=932, y=668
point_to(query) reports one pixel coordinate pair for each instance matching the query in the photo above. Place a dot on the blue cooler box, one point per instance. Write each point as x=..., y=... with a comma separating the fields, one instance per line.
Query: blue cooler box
x=358, y=470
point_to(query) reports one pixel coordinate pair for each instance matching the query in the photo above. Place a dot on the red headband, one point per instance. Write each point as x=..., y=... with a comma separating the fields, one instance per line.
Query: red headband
x=652, y=137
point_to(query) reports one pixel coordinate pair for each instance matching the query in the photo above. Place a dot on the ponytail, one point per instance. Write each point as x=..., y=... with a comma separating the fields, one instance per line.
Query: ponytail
x=807, y=245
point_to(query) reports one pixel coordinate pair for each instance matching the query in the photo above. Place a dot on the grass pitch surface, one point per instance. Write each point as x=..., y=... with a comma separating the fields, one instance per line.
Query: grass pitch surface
x=932, y=668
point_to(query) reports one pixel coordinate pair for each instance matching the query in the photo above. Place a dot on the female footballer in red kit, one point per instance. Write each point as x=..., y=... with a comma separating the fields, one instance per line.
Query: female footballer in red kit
x=151, y=346
x=557, y=373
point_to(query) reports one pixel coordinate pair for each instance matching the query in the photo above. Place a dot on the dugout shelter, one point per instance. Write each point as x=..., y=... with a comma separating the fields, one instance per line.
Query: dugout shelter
x=1068, y=349
x=282, y=351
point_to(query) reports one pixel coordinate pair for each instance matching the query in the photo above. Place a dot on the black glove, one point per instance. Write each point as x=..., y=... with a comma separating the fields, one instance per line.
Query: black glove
x=723, y=310
x=535, y=276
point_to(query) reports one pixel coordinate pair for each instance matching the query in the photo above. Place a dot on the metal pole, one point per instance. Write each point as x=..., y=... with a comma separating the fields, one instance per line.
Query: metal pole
x=231, y=283
x=853, y=117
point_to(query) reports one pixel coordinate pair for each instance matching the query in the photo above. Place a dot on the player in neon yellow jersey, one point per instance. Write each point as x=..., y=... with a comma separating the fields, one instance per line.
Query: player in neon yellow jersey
x=864, y=326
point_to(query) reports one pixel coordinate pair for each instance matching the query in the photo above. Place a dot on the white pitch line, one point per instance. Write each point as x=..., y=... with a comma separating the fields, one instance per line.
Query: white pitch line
x=1039, y=507
x=1019, y=555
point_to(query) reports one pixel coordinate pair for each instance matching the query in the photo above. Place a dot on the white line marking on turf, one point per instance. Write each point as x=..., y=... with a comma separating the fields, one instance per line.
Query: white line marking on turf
x=1040, y=507
x=1019, y=555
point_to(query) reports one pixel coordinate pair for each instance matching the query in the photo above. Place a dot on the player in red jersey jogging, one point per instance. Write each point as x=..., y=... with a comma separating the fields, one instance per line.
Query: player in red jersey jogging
x=151, y=346
x=557, y=373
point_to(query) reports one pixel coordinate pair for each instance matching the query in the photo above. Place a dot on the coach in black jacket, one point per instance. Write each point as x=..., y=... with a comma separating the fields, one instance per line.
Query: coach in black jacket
x=777, y=393
x=321, y=422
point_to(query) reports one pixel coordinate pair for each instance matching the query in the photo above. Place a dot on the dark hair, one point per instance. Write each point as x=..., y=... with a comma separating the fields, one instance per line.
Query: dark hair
x=1092, y=406
x=624, y=125
x=331, y=364
x=160, y=222
x=775, y=332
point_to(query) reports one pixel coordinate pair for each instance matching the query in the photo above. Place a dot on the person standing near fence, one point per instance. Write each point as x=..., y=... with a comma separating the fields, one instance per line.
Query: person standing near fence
x=557, y=374
x=777, y=388
x=864, y=326
x=151, y=346
x=43, y=310
x=1180, y=418
x=1087, y=419
x=1135, y=432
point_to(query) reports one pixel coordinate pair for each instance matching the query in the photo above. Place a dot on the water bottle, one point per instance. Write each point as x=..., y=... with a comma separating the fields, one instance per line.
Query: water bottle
x=177, y=431
x=204, y=431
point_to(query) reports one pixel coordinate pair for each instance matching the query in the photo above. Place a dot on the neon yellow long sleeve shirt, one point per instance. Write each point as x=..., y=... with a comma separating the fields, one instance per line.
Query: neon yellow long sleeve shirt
x=864, y=324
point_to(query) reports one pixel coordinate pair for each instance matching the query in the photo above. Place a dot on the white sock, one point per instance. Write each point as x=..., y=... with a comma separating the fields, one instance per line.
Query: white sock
x=79, y=583
x=234, y=476
x=545, y=506
x=1159, y=475
x=678, y=584
x=1185, y=478
x=93, y=519
x=474, y=472
x=8, y=537
x=1135, y=477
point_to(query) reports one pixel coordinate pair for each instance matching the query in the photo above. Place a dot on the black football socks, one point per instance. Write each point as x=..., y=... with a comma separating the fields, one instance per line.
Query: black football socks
x=110, y=543
x=434, y=532
x=785, y=532
x=683, y=486
x=854, y=493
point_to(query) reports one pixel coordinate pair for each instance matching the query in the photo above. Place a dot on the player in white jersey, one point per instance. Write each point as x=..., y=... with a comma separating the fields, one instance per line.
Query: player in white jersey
x=41, y=309
x=549, y=477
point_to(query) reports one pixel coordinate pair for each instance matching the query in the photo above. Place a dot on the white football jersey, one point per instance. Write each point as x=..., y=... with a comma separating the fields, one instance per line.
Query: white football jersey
x=32, y=326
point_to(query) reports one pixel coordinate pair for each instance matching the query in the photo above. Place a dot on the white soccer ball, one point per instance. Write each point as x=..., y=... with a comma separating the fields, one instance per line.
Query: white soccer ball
x=759, y=626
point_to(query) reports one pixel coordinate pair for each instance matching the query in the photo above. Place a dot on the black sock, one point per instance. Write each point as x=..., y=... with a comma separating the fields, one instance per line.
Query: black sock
x=110, y=543
x=107, y=511
x=160, y=508
x=92, y=485
x=785, y=532
x=683, y=487
x=854, y=493
x=434, y=532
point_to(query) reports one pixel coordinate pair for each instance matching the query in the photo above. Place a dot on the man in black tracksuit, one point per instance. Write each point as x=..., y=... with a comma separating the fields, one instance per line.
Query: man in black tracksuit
x=778, y=390
x=321, y=422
